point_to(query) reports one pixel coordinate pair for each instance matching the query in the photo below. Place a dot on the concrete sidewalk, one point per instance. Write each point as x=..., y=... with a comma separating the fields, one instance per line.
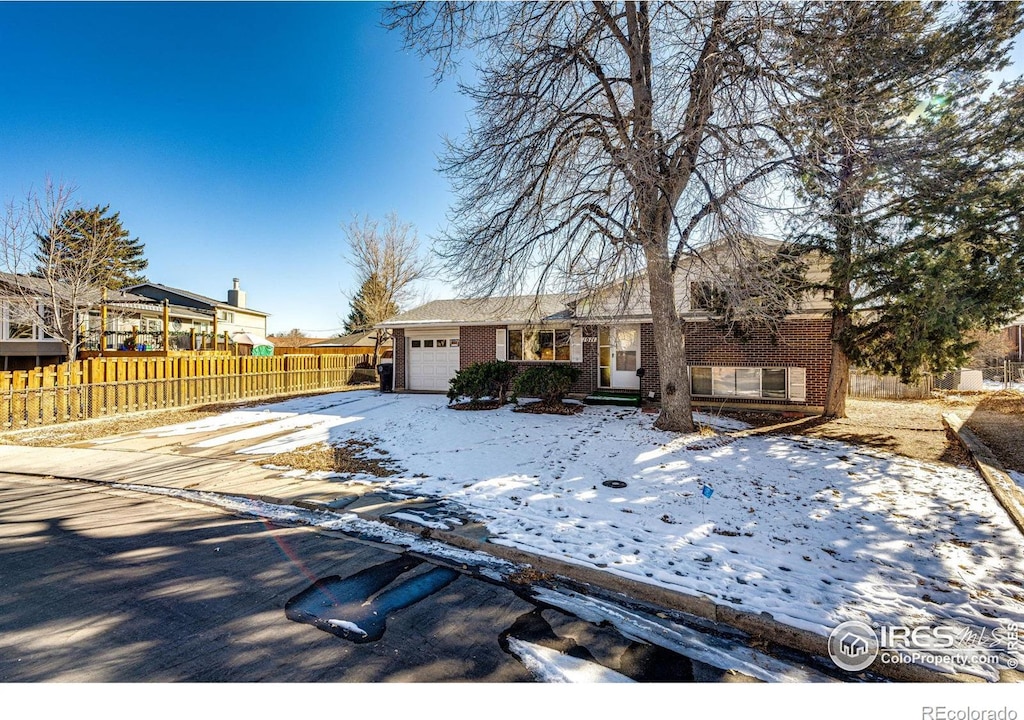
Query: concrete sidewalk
x=417, y=515
x=230, y=477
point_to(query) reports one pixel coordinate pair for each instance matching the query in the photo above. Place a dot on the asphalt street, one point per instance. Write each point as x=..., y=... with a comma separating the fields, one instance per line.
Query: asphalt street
x=103, y=585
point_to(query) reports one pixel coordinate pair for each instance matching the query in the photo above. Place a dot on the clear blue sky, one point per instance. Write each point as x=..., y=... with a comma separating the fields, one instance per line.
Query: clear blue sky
x=235, y=139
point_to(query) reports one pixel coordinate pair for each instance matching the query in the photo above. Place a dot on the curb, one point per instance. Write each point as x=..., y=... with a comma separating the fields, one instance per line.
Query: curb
x=760, y=627
x=1005, y=490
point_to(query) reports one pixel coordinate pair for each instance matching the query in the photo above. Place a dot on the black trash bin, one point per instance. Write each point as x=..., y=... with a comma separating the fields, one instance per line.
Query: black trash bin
x=386, y=371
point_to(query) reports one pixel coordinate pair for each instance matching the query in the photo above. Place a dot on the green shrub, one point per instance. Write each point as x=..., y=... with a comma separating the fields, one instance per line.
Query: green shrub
x=550, y=383
x=486, y=379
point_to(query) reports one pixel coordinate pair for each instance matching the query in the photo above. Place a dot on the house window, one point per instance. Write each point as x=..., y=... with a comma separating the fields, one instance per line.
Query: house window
x=769, y=383
x=415, y=343
x=48, y=322
x=533, y=345
x=21, y=323
x=705, y=295
x=227, y=316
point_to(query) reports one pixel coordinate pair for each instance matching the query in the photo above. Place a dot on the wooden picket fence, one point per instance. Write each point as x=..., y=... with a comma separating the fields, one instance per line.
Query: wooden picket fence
x=107, y=387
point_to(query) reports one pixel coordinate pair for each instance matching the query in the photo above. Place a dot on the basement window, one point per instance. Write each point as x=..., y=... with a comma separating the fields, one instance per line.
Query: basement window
x=742, y=382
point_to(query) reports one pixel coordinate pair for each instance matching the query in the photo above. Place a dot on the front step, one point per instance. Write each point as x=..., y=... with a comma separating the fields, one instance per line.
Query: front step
x=621, y=399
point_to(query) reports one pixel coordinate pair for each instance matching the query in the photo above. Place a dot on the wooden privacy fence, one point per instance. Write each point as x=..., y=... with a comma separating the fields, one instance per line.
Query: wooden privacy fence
x=105, y=387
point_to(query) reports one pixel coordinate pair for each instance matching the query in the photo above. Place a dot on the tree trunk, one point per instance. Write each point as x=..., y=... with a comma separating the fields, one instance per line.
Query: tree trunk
x=849, y=197
x=676, y=410
x=377, y=342
x=839, y=372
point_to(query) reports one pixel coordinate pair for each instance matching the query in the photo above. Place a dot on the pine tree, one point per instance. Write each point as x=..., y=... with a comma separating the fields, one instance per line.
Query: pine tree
x=911, y=178
x=89, y=237
x=369, y=306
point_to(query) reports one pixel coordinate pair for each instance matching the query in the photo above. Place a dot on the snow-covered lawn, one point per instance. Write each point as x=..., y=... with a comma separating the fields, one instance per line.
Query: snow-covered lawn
x=814, y=532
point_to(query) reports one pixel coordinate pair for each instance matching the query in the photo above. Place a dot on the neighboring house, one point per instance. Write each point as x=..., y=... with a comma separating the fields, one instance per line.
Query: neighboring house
x=134, y=321
x=24, y=341
x=354, y=340
x=611, y=340
x=1014, y=334
x=360, y=342
x=290, y=341
x=231, y=316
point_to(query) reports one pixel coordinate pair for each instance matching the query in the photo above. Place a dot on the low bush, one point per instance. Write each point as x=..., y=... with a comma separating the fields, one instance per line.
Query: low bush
x=549, y=383
x=486, y=379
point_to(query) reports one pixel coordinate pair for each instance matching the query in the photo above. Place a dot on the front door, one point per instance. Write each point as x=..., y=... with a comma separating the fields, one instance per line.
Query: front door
x=619, y=357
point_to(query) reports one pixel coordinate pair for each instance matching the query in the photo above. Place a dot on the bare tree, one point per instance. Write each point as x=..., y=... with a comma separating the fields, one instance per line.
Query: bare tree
x=387, y=262
x=610, y=143
x=46, y=282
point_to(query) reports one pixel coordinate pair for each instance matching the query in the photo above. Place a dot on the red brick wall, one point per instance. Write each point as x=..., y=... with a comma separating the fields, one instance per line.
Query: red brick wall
x=651, y=381
x=476, y=344
x=398, y=343
x=588, y=379
x=800, y=343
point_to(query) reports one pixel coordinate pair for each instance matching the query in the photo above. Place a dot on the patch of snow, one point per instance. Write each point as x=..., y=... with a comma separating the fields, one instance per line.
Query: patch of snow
x=1017, y=478
x=419, y=520
x=551, y=666
x=996, y=385
x=349, y=523
x=719, y=652
x=346, y=625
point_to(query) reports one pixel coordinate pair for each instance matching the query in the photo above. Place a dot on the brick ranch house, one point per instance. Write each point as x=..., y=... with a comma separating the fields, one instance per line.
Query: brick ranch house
x=782, y=370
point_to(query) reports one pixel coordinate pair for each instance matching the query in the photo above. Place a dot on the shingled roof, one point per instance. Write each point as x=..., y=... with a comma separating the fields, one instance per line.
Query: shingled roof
x=531, y=309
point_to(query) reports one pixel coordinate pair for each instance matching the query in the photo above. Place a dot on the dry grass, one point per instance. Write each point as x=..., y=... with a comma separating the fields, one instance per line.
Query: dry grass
x=85, y=430
x=998, y=420
x=541, y=408
x=348, y=457
x=914, y=427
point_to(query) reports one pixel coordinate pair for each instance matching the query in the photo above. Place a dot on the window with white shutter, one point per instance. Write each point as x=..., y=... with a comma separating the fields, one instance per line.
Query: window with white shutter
x=576, y=345
x=798, y=384
x=500, y=344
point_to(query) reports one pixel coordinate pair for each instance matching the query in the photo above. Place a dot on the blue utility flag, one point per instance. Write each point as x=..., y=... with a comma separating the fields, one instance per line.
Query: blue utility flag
x=707, y=491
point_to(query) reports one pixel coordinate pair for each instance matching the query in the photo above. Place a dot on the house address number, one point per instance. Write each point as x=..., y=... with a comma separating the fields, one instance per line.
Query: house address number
x=590, y=339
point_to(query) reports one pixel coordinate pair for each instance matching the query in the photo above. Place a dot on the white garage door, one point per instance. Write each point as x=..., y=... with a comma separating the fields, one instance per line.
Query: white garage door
x=433, y=361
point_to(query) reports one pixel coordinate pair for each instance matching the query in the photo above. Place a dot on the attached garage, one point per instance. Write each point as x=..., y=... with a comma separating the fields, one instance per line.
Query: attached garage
x=433, y=360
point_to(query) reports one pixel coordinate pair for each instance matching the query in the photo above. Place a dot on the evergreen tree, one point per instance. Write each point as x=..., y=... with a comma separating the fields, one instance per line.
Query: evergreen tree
x=370, y=306
x=98, y=244
x=911, y=176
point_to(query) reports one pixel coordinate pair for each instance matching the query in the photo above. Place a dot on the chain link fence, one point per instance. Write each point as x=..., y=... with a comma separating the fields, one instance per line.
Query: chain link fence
x=1008, y=375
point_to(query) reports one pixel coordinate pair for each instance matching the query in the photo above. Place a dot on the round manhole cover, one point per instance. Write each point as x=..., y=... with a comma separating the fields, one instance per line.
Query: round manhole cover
x=617, y=484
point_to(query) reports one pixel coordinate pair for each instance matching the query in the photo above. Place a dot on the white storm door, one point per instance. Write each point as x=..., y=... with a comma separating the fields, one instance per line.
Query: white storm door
x=619, y=357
